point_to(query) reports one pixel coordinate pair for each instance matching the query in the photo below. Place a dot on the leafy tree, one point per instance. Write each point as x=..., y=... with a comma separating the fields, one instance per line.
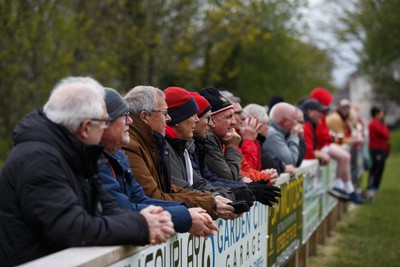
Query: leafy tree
x=249, y=47
x=376, y=24
x=253, y=49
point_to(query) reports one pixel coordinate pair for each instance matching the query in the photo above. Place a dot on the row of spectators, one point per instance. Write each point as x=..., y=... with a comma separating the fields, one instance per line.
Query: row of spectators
x=95, y=168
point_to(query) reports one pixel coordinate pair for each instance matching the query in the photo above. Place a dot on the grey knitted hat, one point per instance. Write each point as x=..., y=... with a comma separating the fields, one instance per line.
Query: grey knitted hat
x=116, y=105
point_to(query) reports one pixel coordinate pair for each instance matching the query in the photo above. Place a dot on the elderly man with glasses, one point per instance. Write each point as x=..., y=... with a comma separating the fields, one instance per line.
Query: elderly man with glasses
x=147, y=148
x=120, y=182
x=50, y=195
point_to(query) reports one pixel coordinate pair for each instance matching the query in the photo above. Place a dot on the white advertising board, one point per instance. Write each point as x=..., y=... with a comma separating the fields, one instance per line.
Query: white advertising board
x=241, y=242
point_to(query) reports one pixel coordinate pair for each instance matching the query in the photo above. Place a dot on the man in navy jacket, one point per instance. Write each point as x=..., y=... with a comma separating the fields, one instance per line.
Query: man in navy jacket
x=119, y=181
x=50, y=195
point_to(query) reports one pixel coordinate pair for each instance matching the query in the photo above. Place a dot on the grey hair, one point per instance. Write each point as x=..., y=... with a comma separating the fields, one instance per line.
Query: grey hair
x=255, y=110
x=228, y=95
x=142, y=98
x=281, y=111
x=73, y=100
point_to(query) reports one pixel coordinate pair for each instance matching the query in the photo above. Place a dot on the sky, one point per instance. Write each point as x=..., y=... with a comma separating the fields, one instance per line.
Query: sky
x=320, y=16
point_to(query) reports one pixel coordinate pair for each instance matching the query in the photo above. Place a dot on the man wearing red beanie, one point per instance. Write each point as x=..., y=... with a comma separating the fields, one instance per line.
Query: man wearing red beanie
x=147, y=147
x=179, y=133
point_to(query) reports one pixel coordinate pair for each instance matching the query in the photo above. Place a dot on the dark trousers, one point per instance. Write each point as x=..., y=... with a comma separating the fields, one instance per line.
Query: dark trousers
x=378, y=157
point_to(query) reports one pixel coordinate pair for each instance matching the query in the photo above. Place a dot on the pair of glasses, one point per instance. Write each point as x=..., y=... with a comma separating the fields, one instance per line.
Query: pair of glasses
x=105, y=122
x=163, y=111
x=126, y=114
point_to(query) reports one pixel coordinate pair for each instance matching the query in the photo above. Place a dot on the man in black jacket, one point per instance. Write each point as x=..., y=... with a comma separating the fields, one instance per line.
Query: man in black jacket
x=50, y=195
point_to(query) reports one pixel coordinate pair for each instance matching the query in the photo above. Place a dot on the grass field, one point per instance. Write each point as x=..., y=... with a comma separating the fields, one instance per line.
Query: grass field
x=370, y=234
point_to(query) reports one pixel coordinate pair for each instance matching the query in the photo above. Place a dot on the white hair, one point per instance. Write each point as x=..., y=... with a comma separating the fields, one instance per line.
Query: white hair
x=142, y=98
x=73, y=100
x=255, y=110
x=228, y=95
x=281, y=111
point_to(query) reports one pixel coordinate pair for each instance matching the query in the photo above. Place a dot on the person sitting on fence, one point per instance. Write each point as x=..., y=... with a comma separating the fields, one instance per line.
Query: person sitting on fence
x=119, y=181
x=51, y=196
x=339, y=123
x=341, y=126
x=343, y=183
x=147, y=148
x=314, y=114
x=283, y=138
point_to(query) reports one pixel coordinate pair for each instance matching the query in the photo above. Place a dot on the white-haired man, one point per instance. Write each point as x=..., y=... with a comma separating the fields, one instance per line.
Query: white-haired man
x=147, y=148
x=50, y=195
x=283, y=139
x=119, y=181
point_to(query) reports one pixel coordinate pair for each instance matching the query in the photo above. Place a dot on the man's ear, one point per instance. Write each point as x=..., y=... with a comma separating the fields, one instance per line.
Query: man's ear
x=212, y=125
x=143, y=116
x=83, y=131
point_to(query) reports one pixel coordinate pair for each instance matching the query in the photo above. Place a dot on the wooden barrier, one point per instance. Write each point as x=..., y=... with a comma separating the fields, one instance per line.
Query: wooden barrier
x=286, y=235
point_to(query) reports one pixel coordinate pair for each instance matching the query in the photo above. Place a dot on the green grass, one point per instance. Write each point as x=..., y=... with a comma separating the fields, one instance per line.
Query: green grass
x=372, y=235
x=395, y=141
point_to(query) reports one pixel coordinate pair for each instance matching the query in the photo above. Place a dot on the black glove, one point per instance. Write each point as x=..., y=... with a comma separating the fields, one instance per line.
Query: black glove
x=244, y=193
x=266, y=194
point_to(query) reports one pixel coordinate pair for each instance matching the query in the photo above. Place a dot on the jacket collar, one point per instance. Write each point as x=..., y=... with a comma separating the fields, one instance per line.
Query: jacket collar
x=280, y=129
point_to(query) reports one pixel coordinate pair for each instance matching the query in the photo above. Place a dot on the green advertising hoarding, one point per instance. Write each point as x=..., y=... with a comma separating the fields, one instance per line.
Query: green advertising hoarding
x=285, y=223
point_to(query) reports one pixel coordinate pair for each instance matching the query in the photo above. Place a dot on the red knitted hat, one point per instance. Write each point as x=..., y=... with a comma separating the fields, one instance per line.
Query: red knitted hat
x=203, y=104
x=181, y=104
x=322, y=95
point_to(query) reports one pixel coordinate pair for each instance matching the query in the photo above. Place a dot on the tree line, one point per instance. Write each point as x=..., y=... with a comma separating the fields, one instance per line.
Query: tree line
x=375, y=24
x=252, y=48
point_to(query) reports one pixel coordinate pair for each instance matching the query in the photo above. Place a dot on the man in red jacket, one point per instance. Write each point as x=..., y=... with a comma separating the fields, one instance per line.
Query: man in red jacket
x=379, y=147
x=314, y=118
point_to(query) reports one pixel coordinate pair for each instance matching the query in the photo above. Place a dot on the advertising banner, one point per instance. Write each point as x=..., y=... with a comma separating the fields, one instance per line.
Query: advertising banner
x=285, y=223
x=239, y=242
x=313, y=191
x=328, y=176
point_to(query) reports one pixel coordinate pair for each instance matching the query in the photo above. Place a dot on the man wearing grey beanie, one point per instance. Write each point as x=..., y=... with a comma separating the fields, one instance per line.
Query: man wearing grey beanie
x=119, y=181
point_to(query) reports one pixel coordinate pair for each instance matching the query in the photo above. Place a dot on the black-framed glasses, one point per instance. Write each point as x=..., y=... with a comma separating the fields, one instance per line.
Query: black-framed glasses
x=163, y=111
x=126, y=115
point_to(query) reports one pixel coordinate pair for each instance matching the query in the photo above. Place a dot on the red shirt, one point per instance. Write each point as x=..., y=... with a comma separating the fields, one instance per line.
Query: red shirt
x=309, y=138
x=323, y=136
x=251, y=151
x=379, y=135
x=316, y=138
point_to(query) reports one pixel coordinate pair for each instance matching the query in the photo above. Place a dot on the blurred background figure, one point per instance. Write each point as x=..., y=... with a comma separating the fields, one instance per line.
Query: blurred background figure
x=379, y=147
